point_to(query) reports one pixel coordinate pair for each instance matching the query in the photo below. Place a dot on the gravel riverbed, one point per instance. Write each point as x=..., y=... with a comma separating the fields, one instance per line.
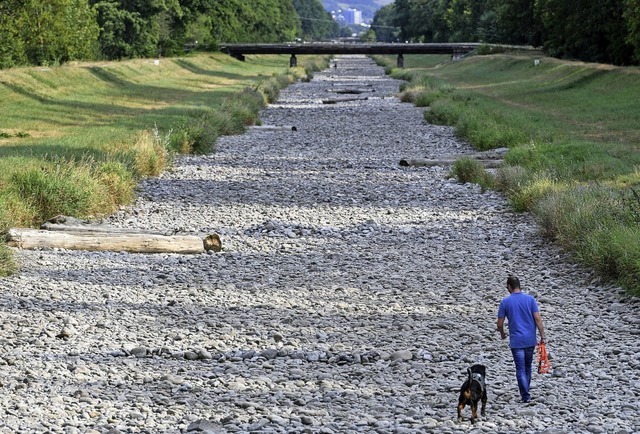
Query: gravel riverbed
x=350, y=296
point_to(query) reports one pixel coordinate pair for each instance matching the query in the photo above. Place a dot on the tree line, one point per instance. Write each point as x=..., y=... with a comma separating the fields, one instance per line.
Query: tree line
x=605, y=31
x=47, y=32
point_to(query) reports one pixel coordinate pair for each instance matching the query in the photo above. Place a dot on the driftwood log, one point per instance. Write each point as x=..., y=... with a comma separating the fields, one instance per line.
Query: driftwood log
x=273, y=128
x=351, y=91
x=73, y=234
x=424, y=162
x=337, y=100
x=489, y=159
x=352, y=85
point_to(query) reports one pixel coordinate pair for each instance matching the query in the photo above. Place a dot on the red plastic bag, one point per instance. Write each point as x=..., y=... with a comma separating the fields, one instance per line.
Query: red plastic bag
x=542, y=359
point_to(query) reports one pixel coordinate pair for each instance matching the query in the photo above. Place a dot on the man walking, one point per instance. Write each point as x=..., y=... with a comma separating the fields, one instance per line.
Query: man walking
x=523, y=316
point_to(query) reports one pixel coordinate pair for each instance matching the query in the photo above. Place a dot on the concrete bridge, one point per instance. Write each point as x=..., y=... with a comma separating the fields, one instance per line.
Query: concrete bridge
x=455, y=49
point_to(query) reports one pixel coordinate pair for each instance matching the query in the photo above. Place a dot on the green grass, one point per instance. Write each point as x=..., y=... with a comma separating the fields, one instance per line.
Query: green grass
x=574, y=136
x=76, y=139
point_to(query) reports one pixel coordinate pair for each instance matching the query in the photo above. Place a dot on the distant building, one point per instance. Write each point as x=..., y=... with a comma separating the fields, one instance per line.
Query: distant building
x=352, y=16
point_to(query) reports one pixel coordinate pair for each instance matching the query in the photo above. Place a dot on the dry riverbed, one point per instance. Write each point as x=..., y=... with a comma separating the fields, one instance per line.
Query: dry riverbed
x=351, y=294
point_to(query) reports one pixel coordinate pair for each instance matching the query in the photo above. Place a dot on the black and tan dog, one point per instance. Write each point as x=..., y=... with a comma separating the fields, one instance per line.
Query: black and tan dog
x=473, y=390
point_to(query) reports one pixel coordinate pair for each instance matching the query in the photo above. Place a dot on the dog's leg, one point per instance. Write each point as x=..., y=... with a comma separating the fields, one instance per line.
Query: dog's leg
x=460, y=408
x=484, y=404
x=474, y=411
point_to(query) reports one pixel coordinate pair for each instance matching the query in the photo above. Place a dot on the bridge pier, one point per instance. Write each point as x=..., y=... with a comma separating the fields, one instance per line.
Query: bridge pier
x=293, y=61
x=400, y=61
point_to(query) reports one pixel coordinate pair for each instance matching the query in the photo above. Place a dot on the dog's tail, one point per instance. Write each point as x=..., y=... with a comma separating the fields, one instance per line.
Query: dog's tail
x=470, y=379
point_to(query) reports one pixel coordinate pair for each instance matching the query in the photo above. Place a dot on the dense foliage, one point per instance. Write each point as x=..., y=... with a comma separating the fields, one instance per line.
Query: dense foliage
x=606, y=31
x=48, y=32
x=317, y=23
x=43, y=32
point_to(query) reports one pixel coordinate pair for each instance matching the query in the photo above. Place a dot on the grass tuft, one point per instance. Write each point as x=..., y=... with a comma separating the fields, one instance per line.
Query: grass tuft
x=471, y=170
x=55, y=188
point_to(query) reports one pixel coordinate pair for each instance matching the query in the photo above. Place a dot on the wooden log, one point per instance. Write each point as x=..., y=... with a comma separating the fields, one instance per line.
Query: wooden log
x=491, y=159
x=108, y=241
x=351, y=91
x=353, y=84
x=424, y=162
x=88, y=229
x=337, y=100
x=273, y=128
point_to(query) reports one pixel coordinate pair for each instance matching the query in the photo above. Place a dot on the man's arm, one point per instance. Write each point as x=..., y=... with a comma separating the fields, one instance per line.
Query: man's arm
x=538, y=319
x=500, y=328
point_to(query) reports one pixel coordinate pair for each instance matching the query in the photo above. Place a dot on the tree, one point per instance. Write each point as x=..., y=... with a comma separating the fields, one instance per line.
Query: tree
x=590, y=30
x=260, y=21
x=49, y=32
x=428, y=21
x=632, y=18
x=11, y=45
x=316, y=23
x=124, y=33
x=383, y=24
x=462, y=18
x=369, y=36
x=510, y=22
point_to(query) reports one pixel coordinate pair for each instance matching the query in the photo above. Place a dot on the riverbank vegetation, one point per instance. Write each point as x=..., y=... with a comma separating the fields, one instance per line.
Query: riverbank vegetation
x=605, y=31
x=54, y=32
x=76, y=139
x=574, y=138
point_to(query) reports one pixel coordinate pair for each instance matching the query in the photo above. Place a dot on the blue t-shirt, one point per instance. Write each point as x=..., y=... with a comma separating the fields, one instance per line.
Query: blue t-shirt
x=519, y=308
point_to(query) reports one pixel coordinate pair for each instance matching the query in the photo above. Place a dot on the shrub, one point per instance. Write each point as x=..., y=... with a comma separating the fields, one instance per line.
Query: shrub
x=244, y=106
x=511, y=179
x=426, y=98
x=14, y=211
x=621, y=259
x=57, y=188
x=600, y=226
x=532, y=192
x=270, y=88
x=410, y=93
x=443, y=112
x=470, y=170
x=569, y=214
x=151, y=152
x=8, y=265
x=485, y=132
x=118, y=181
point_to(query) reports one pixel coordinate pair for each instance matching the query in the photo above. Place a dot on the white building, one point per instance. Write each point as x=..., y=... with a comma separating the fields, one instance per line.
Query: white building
x=352, y=16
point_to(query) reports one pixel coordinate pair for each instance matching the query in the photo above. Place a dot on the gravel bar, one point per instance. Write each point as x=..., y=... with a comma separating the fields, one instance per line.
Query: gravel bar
x=350, y=296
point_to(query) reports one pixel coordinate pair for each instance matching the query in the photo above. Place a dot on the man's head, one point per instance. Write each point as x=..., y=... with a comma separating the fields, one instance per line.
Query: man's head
x=513, y=283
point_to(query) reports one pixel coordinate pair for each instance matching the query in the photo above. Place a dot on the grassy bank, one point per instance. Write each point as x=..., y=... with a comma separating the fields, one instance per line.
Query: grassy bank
x=76, y=139
x=574, y=136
